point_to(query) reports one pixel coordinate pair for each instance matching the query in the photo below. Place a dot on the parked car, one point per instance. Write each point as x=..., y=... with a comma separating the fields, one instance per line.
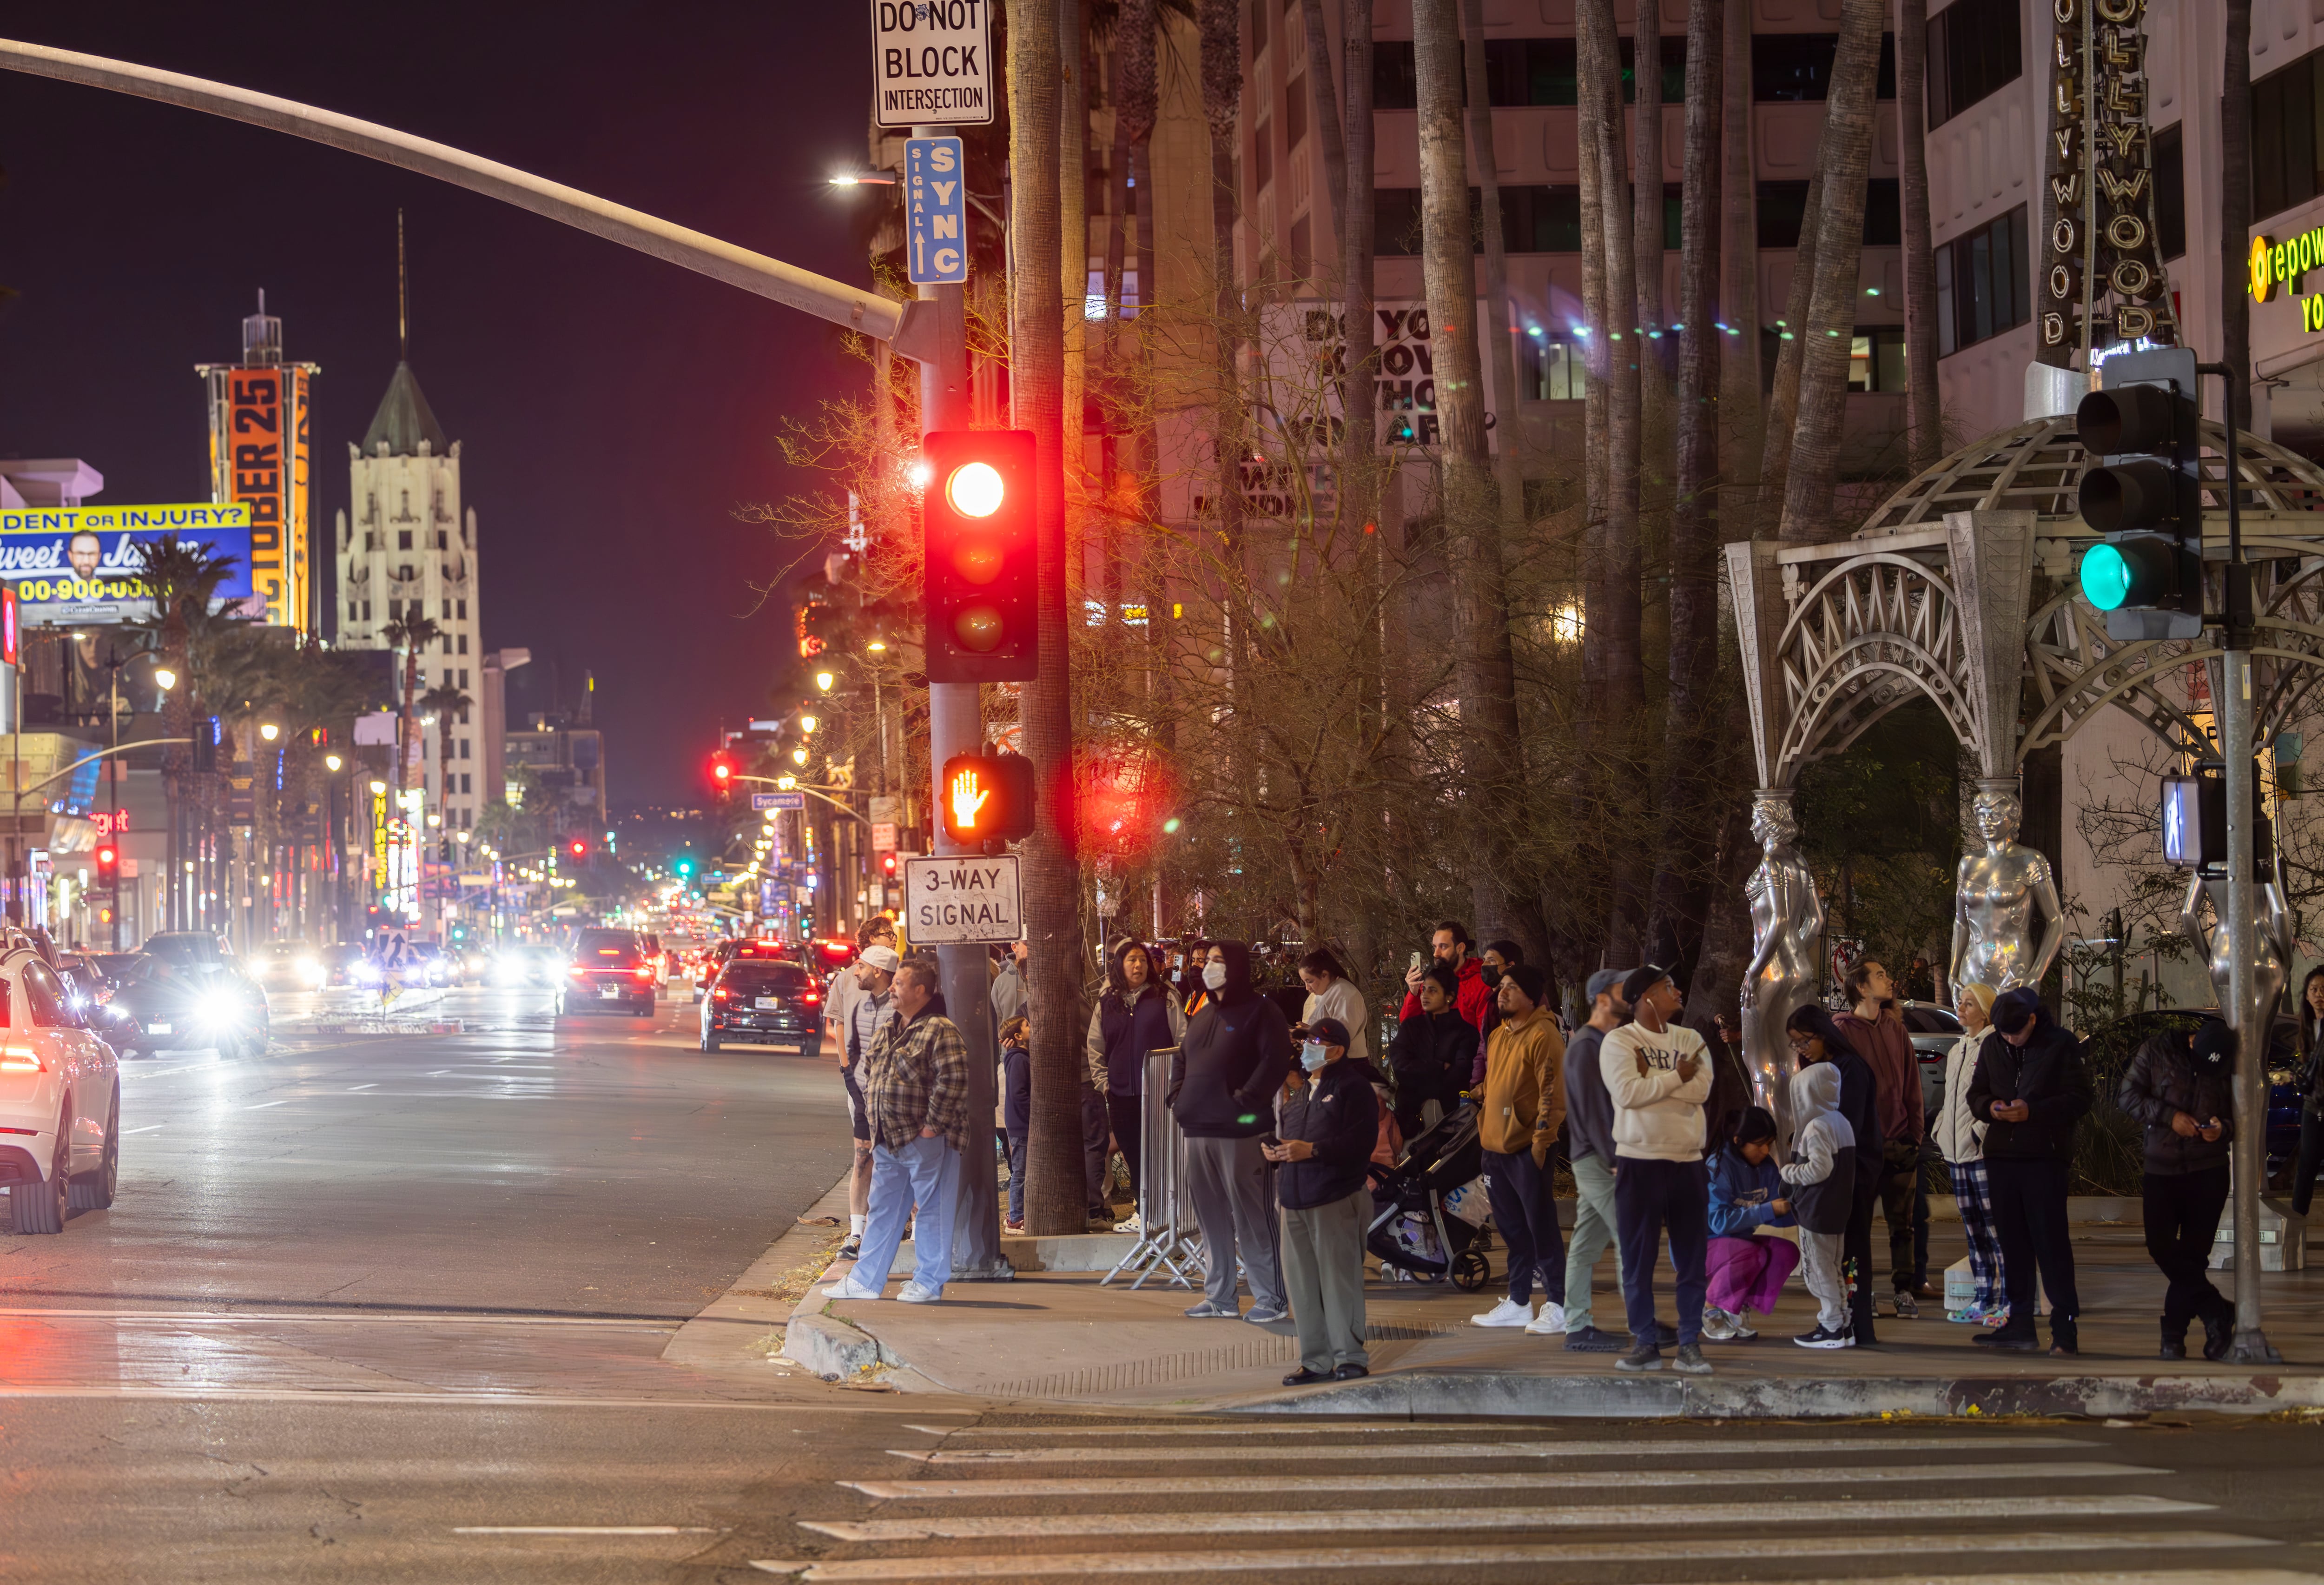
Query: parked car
x=607, y=970
x=765, y=1003
x=59, y=1101
x=187, y=990
x=1934, y=1030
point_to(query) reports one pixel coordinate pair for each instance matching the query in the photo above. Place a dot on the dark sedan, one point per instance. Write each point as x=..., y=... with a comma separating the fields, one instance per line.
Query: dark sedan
x=185, y=992
x=607, y=971
x=765, y=1003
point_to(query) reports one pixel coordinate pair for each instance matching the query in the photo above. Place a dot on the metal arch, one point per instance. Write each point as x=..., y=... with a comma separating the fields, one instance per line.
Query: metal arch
x=1912, y=627
x=1833, y=721
x=857, y=307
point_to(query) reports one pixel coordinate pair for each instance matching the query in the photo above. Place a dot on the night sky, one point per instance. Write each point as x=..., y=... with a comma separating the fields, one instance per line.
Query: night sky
x=611, y=408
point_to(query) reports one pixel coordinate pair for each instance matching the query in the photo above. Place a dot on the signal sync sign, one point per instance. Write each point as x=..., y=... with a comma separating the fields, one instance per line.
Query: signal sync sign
x=936, y=212
x=932, y=62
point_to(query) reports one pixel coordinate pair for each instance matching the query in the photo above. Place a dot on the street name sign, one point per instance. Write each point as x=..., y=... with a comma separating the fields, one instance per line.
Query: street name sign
x=936, y=212
x=964, y=900
x=932, y=62
x=778, y=800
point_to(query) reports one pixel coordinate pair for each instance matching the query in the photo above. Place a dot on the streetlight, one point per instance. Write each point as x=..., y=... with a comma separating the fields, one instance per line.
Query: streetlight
x=825, y=680
x=164, y=679
x=331, y=762
x=809, y=724
x=269, y=730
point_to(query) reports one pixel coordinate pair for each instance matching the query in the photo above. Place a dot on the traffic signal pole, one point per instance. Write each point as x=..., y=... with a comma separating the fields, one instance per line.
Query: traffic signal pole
x=956, y=726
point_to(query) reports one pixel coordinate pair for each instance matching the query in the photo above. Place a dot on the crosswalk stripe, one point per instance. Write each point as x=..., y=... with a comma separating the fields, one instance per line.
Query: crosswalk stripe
x=1561, y=1480
x=1335, y=1450
x=984, y=1526
x=1415, y=1432
x=1440, y=1557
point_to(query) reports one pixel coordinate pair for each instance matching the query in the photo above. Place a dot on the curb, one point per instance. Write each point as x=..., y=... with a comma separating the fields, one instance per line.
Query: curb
x=1662, y=1396
x=732, y=1332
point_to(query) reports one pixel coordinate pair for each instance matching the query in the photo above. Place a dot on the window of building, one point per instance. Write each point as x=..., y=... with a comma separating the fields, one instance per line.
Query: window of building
x=1301, y=261
x=465, y=785
x=1549, y=368
x=1796, y=68
x=1547, y=71
x=1396, y=222
x=402, y=539
x=1262, y=157
x=2171, y=191
x=463, y=645
x=1257, y=27
x=1982, y=286
x=1972, y=52
x=464, y=748
x=443, y=540
x=462, y=607
x=2285, y=151
x=463, y=676
x=366, y=616
x=1783, y=205
x=1295, y=111
x=1541, y=219
x=445, y=646
x=1876, y=359
x=448, y=610
x=1396, y=85
x=371, y=541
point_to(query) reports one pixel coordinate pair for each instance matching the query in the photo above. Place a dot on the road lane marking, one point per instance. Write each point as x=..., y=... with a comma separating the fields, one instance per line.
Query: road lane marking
x=353, y=1088
x=1561, y=1517
x=1229, y=1485
x=1654, y=1447
x=585, y=1530
x=148, y=1128
x=261, y=1106
x=1327, y=1453
x=1430, y=1558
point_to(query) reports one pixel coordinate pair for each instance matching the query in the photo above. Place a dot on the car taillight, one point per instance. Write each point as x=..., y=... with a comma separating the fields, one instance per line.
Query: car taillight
x=23, y=1062
x=643, y=972
x=721, y=994
x=812, y=997
x=579, y=972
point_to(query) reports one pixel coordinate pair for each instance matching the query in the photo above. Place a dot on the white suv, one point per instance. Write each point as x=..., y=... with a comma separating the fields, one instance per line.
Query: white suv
x=59, y=1101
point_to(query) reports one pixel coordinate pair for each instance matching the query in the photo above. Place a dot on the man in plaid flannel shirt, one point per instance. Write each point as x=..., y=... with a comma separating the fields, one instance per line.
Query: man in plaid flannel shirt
x=915, y=1091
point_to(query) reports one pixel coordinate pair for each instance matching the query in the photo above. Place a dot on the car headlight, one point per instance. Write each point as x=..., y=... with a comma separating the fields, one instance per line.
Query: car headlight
x=217, y=1008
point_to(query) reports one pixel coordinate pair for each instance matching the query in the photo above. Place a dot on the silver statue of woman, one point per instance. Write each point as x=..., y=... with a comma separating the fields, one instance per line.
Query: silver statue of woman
x=2272, y=928
x=1996, y=900
x=1786, y=918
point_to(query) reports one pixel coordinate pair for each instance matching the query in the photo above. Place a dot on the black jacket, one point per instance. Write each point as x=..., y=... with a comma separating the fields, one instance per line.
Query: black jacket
x=1859, y=1103
x=1434, y=1053
x=2165, y=1078
x=2046, y=1073
x=1338, y=1114
x=1232, y=1060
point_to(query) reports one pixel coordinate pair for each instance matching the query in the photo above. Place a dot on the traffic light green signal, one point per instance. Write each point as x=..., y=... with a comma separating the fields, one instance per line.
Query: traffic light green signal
x=2142, y=493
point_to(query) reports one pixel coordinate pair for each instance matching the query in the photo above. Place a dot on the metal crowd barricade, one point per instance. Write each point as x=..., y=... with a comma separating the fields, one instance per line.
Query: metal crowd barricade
x=1165, y=1210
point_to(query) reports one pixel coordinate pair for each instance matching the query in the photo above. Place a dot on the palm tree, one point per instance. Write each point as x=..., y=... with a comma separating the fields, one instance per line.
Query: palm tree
x=1740, y=439
x=1220, y=25
x=1328, y=126
x=1924, y=441
x=181, y=577
x=1784, y=401
x=1496, y=328
x=408, y=633
x=1844, y=159
x=1072, y=227
x=443, y=703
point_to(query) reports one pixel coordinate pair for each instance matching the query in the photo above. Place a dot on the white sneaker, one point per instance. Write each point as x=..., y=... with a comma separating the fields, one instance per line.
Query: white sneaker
x=1507, y=1312
x=1551, y=1319
x=847, y=1287
x=1133, y=1225
x=1718, y=1326
x=913, y=1293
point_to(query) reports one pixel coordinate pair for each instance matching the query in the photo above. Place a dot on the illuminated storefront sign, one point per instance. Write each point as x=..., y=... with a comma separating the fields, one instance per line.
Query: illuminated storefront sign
x=2286, y=264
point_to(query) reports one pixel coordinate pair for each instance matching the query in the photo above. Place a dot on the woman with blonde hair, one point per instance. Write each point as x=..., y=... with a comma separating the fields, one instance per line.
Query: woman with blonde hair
x=1960, y=1140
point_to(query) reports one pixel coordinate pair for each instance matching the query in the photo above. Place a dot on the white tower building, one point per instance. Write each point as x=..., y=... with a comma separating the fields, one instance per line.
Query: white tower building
x=411, y=551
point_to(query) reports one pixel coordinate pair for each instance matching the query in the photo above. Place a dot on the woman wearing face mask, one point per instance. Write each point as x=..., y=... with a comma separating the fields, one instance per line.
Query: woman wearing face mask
x=1138, y=1013
x=1960, y=1140
x=2182, y=1091
x=1236, y=1051
x=1324, y=1138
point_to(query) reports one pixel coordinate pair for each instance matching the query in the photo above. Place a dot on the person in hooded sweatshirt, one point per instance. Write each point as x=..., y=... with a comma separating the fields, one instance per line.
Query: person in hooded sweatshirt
x=1229, y=1065
x=1816, y=1038
x=2031, y=1088
x=1747, y=1270
x=1821, y=1179
x=1138, y=1013
x=1434, y=1051
x=2183, y=1090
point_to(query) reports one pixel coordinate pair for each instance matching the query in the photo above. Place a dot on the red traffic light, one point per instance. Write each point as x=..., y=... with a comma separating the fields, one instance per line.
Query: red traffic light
x=721, y=775
x=108, y=864
x=578, y=847
x=978, y=516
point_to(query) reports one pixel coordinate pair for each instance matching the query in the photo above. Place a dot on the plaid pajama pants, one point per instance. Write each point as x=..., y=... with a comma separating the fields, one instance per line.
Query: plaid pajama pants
x=1973, y=1192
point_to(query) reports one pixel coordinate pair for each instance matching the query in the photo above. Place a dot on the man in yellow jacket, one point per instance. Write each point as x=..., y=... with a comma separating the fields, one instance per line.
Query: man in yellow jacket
x=1517, y=1121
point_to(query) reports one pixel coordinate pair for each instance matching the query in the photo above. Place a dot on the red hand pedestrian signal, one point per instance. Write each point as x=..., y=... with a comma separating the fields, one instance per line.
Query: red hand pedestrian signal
x=968, y=800
x=988, y=798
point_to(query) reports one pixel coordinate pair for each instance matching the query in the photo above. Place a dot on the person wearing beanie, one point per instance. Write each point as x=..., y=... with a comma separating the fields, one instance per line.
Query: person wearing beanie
x=1746, y=1267
x=1590, y=1144
x=1322, y=1147
x=1960, y=1140
x=1659, y=1075
x=1518, y=1120
x=2182, y=1091
x=2030, y=1090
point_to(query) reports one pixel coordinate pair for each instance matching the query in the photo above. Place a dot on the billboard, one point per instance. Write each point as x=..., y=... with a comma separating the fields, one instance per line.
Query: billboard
x=259, y=459
x=78, y=565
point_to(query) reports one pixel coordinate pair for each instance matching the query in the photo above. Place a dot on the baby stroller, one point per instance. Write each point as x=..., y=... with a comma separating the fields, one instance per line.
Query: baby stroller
x=1412, y=1196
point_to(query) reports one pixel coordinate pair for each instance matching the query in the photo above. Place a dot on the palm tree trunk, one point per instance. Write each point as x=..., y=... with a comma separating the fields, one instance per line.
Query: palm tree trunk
x=1360, y=484
x=1688, y=801
x=1742, y=435
x=1221, y=25
x=1657, y=457
x=1923, y=422
x=1845, y=159
x=1073, y=254
x=1055, y=1201
x=1784, y=401
x=1327, y=117
x=2236, y=210
x=1491, y=753
x=1611, y=614
x=1507, y=473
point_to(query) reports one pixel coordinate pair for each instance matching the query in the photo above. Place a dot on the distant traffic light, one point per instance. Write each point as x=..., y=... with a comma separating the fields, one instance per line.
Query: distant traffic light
x=721, y=775
x=977, y=513
x=579, y=848
x=685, y=867
x=988, y=798
x=108, y=865
x=2141, y=491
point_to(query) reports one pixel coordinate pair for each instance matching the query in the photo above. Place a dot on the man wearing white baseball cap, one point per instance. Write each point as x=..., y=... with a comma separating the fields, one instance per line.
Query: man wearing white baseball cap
x=875, y=1004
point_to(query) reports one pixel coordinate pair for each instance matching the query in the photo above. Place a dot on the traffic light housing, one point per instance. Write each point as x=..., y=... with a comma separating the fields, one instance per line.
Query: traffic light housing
x=987, y=798
x=977, y=516
x=108, y=864
x=579, y=849
x=721, y=775
x=2143, y=494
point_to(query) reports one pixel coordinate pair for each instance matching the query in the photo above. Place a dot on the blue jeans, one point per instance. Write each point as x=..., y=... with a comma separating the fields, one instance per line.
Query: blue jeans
x=1649, y=1197
x=1016, y=1175
x=925, y=1172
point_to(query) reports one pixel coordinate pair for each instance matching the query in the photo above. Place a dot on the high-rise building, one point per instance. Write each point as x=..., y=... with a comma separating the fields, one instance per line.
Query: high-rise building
x=412, y=552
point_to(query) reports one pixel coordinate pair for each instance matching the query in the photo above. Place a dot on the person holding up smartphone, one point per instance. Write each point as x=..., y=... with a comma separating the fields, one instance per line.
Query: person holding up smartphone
x=2181, y=1088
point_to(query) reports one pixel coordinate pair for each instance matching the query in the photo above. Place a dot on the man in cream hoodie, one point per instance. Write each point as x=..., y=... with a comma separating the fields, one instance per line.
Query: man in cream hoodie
x=1658, y=1073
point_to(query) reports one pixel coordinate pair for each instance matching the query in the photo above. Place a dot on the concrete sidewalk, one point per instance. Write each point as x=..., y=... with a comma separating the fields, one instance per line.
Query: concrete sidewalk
x=1057, y=1337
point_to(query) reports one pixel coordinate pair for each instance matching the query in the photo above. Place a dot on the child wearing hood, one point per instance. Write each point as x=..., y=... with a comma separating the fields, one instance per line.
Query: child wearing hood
x=1822, y=1176
x=1747, y=1194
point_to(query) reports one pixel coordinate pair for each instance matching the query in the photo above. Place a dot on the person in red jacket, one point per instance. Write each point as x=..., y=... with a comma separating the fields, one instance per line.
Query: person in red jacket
x=1877, y=1030
x=1453, y=949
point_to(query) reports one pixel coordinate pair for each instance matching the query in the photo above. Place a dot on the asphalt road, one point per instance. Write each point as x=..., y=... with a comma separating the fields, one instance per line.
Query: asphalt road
x=394, y=1309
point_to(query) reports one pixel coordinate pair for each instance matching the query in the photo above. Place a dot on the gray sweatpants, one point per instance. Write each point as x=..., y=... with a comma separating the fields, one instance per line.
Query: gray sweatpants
x=1227, y=1180
x=1820, y=1256
x=1323, y=1268
x=1593, y=1232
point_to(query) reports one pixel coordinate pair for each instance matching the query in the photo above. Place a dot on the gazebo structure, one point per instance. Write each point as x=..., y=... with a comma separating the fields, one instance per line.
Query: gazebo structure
x=1961, y=590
